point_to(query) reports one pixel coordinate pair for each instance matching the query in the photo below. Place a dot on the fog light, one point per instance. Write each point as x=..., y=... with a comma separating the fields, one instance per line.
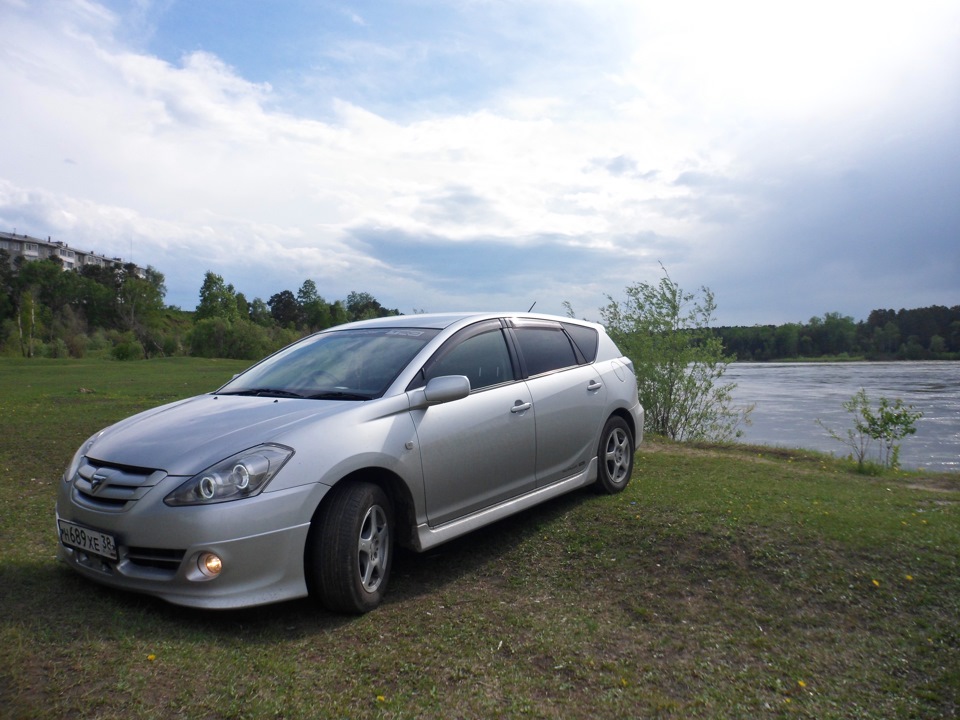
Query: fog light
x=210, y=564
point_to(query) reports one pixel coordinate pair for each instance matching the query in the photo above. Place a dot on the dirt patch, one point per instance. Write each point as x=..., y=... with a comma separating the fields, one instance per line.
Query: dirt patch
x=936, y=484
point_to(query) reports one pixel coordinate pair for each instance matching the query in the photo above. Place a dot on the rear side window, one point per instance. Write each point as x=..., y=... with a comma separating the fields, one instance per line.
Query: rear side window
x=544, y=349
x=587, y=340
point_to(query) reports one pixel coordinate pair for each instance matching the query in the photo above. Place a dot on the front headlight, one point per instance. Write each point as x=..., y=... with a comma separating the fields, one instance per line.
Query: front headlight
x=78, y=457
x=239, y=476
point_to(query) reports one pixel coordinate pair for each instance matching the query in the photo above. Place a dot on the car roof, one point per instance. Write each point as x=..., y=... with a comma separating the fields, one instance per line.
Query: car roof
x=440, y=321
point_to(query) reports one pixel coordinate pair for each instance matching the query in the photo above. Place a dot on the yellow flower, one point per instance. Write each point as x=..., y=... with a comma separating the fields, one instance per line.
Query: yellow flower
x=910, y=578
x=801, y=683
x=151, y=657
x=381, y=698
x=877, y=583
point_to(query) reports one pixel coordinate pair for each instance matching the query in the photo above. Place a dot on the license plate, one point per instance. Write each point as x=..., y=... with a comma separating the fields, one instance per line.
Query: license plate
x=91, y=541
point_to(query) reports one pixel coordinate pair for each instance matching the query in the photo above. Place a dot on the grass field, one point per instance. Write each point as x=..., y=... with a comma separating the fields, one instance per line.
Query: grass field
x=724, y=583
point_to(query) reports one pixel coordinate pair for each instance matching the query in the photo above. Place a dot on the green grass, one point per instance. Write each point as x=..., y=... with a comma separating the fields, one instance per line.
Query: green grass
x=723, y=583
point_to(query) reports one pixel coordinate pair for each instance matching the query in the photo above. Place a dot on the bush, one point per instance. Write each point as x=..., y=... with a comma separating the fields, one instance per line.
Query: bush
x=678, y=361
x=219, y=337
x=56, y=348
x=171, y=345
x=127, y=347
x=77, y=345
x=888, y=424
x=99, y=344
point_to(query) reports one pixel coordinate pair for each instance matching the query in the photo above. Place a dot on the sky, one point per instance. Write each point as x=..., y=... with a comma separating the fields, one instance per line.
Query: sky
x=796, y=158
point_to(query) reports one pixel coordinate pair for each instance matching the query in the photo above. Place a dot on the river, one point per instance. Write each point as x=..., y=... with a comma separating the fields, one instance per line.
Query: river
x=788, y=398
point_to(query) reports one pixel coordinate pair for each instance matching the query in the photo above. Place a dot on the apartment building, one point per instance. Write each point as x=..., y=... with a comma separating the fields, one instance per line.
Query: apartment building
x=31, y=248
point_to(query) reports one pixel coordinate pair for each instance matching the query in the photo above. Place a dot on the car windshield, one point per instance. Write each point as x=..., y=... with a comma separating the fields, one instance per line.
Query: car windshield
x=340, y=365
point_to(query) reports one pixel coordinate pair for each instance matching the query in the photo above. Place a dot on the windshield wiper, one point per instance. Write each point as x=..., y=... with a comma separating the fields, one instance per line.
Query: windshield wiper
x=339, y=395
x=264, y=392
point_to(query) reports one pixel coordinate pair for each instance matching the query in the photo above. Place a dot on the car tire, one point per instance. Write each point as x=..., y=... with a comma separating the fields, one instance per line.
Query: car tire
x=350, y=548
x=614, y=457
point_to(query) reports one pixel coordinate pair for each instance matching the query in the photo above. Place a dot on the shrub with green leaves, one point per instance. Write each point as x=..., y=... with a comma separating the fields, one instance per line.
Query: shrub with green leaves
x=679, y=361
x=888, y=424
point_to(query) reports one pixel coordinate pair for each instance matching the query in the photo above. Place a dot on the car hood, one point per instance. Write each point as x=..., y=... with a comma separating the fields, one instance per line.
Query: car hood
x=189, y=436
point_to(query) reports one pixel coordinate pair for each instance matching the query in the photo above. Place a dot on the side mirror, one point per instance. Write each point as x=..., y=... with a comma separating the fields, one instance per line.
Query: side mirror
x=443, y=389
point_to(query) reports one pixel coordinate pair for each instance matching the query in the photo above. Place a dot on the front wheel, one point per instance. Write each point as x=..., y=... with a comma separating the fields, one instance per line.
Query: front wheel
x=350, y=549
x=614, y=456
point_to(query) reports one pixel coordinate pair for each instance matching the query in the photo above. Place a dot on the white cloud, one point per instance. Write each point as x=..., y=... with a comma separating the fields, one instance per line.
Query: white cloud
x=676, y=141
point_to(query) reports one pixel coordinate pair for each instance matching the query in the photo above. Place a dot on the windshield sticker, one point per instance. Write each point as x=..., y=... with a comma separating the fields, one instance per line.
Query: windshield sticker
x=406, y=333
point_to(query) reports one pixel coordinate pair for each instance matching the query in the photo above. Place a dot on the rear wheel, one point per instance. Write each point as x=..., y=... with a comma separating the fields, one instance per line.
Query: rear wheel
x=614, y=456
x=350, y=548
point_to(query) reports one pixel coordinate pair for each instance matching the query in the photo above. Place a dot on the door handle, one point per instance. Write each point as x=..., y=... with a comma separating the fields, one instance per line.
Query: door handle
x=594, y=385
x=520, y=406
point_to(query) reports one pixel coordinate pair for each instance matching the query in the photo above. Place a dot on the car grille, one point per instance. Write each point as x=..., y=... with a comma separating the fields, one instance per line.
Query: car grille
x=112, y=488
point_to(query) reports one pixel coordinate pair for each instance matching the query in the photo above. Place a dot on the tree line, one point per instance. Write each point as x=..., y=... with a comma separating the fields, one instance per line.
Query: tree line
x=930, y=333
x=226, y=324
x=118, y=311
x=48, y=312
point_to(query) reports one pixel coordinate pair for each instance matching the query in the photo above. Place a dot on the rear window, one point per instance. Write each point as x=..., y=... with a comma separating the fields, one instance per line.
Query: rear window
x=544, y=349
x=587, y=340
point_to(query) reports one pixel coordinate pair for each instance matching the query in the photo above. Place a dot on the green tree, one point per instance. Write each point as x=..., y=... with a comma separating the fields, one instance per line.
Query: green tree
x=363, y=306
x=54, y=288
x=839, y=334
x=953, y=333
x=97, y=297
x=260, y=313
x=338, y=313
x=6, y=287
x=307, y=293
x=887, y=338
x=284, y=308
x=788, y=340
x=140, y=307
x=678, y=360
x=26, y=322
x=243, y=307
x=314, y=310
x=217, y=299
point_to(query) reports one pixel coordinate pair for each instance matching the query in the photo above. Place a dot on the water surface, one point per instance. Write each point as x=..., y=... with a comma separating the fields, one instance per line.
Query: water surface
x=789, y=397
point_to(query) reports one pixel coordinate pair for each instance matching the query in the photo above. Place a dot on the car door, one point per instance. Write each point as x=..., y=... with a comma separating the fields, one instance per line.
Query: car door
x=569, y=398
x=480, y=450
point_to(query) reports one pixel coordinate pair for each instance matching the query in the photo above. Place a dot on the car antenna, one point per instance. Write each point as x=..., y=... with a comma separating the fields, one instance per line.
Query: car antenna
x=531, y=307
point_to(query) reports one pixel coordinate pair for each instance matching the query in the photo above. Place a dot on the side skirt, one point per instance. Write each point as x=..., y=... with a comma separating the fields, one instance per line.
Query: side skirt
x=428, y=537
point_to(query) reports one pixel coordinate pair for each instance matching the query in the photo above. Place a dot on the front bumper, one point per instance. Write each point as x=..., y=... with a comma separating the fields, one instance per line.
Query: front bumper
x=260, y=541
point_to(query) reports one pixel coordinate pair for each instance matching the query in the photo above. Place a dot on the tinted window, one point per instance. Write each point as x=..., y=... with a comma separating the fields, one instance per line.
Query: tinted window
x=482, y=358
x=544, y=349
x=585, y=338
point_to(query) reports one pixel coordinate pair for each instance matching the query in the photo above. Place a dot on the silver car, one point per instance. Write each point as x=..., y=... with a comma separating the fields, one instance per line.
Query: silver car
x=301, y=474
